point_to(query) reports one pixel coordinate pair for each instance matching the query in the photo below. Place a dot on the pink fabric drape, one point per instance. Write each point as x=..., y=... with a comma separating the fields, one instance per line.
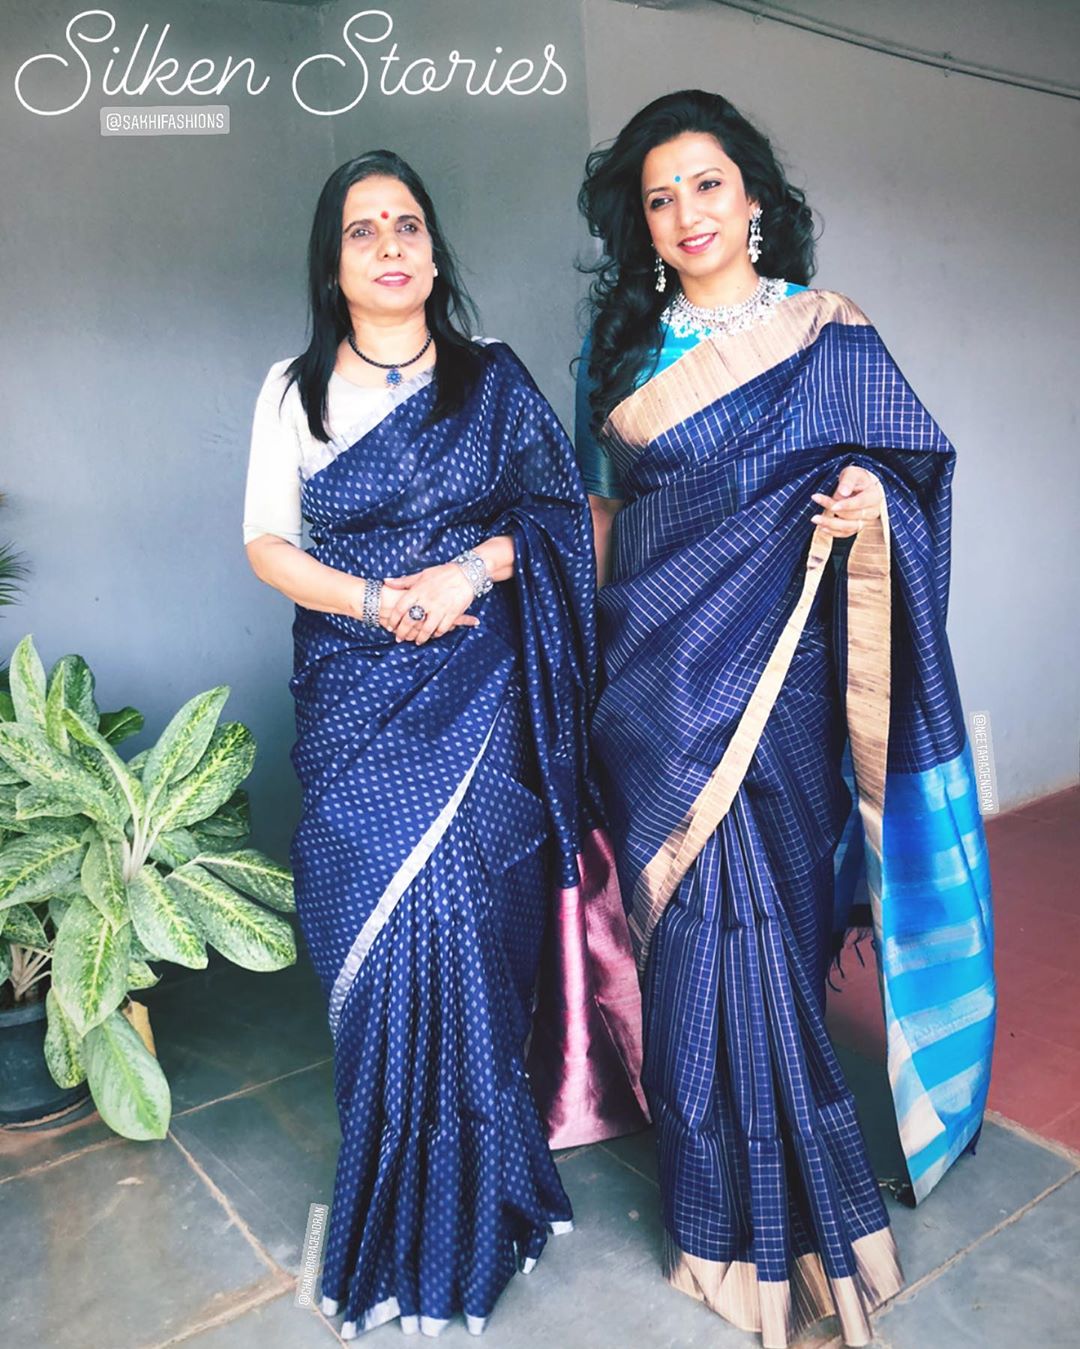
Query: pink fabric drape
x=584, y=1057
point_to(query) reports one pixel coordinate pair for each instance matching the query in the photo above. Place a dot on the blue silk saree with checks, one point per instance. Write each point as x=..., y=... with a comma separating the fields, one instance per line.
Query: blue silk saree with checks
x=440, y=809
x=746, y=657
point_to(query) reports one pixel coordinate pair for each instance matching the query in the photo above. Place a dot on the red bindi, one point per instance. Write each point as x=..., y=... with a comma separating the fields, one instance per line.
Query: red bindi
x=385, y=215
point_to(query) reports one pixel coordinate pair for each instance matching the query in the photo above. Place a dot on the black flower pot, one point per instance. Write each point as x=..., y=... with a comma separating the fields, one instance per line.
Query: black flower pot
x=27, y=1090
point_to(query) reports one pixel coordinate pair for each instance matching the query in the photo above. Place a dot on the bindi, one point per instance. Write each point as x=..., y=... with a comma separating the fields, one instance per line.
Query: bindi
x=385, y=215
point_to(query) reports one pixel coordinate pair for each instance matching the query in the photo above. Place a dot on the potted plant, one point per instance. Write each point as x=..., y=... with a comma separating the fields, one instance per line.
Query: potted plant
x=107, y=865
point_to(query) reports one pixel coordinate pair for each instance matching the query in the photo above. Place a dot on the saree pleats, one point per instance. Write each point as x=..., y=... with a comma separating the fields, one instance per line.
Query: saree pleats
x=766, y=1183
x=444, y=1180
x=441, y=808
x=772, y=701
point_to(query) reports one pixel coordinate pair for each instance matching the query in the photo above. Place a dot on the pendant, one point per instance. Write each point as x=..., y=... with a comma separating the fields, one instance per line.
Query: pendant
x=393, y=376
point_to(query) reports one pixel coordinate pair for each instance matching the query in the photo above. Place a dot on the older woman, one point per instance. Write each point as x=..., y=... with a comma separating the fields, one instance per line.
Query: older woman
x=772, y=510
x=443, y=643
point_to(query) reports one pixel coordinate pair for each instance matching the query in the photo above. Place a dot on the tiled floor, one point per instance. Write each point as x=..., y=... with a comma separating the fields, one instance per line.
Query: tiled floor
x=197, y=1239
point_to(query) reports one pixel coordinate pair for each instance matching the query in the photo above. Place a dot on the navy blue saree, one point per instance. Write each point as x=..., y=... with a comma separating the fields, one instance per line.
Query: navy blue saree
x=440, y=809
x=746, y=658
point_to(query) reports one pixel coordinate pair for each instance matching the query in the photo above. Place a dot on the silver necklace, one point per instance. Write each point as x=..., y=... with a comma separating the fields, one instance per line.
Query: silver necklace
x=693, y=320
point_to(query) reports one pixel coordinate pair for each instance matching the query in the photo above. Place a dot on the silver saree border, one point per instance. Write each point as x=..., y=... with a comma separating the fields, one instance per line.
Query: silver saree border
x=399, y=883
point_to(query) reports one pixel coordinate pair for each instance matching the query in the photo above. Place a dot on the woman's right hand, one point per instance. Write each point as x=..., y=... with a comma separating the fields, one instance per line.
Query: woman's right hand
x=443, y=592
x=390, y=618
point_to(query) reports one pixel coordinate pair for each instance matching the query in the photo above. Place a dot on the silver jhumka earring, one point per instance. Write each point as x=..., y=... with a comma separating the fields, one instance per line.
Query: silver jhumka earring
x=753, y=242
x=661, y=275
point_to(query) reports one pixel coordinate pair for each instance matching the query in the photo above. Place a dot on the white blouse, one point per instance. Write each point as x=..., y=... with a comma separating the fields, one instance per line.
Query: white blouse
x=284, y=452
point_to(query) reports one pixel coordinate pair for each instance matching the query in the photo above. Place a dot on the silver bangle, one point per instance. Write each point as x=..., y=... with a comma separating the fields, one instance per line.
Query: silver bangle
x=476, y=572
x=369, y=615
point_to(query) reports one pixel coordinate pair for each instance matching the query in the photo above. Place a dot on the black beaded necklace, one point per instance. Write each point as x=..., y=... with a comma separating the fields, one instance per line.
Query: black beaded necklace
x=393, y=368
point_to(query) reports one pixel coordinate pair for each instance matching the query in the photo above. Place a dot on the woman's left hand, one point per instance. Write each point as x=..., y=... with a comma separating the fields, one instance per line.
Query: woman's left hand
x=443, y=592
x=858, y=498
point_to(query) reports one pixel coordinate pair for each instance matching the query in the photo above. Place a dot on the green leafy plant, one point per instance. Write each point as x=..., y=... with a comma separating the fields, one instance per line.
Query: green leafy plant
x=106, y=865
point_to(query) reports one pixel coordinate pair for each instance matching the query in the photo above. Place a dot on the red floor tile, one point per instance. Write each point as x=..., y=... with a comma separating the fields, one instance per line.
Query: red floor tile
x=1061, y=809
x=1065, y=1129
x=1049, y=1011
x=1020, y=975
x=1053, y=938
x=1033, y=1081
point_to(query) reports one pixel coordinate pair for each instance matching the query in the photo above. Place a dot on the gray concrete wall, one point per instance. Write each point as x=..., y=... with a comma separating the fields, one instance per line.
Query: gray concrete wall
x=148, y=285
x=949, y=208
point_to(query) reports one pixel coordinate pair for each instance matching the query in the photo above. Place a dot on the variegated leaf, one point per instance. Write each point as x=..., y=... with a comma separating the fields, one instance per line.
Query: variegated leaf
x=70, y=685
x=140, y=975
x=27, y=750
x=48, y=803
x=255, y=874
x=227, y=761
x=162, y=922
x=117, y=726
x=9, y=793
x=5, y=959
x=242, y=931
x=103, y=879
x=88, y=735
x=39, y=865
x=174, y=848
x=7, y=707
x=27, y=675
x=63, y=1055
x=138, y=950
x=22, y=925
x=230, y=821
x=90, y=964
x=182, y=743
x=126, y=1081
x=59, y=904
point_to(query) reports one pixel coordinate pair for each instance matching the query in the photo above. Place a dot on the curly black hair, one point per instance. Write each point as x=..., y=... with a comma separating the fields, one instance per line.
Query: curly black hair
x=626, y=306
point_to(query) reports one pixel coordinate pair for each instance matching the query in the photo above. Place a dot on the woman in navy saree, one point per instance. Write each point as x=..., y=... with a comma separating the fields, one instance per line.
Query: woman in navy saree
x=779, y=725
x=440, y=746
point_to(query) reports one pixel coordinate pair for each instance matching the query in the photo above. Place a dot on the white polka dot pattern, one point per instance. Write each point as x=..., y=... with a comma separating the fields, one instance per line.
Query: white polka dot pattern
x=441, y=790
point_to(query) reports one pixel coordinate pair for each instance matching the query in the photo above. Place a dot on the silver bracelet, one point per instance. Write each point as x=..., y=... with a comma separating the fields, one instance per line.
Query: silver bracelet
x=372, y=600
x=476, y=572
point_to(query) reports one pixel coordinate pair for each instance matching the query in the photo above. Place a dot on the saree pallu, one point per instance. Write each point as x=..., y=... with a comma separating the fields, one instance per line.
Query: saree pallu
x=745, y=657
x=440, y=805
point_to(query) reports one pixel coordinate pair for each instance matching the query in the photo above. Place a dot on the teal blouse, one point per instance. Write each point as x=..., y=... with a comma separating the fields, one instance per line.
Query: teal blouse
x=599, y=473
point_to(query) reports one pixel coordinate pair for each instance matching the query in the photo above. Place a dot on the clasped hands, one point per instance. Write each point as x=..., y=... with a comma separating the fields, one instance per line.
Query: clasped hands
x=857, y=499
x=443, y=592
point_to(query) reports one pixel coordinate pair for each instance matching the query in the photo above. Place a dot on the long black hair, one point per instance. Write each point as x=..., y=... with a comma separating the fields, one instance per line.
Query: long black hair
x=449, y=310
x=626, y=306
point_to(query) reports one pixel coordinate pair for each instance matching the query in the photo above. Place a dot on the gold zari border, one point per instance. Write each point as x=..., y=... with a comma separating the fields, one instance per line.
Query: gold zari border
x=719, y=365
x=781, y=1311
x=868, y=600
